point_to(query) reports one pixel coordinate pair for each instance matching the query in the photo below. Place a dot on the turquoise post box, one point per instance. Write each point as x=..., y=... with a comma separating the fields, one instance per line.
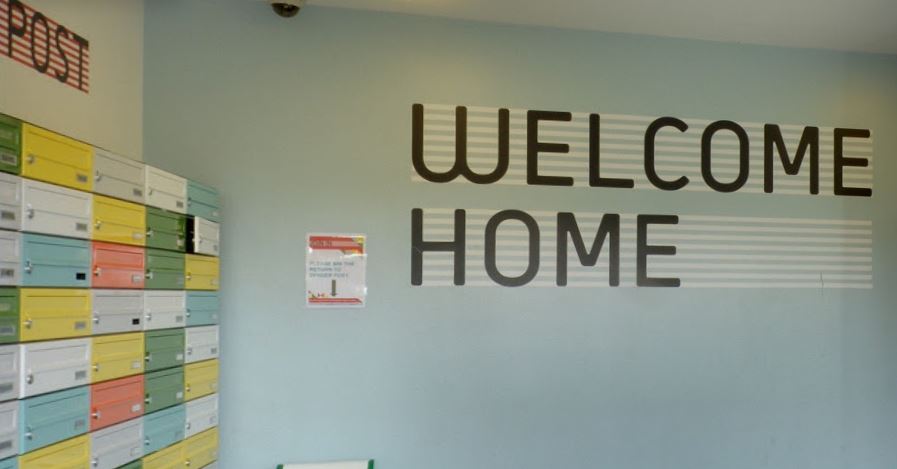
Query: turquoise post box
x=202, y=308
x=164, y=428
x=11, y=463
x=51, y=261
x=53, y=417
x=203, y=201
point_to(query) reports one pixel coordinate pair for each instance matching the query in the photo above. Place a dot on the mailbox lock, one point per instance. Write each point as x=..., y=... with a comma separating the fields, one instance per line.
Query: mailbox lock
x=146, y=441
x=189, y=276
x=187, y=388
x=97, y=272
x=96, y=319
x=97, y=415
x=149, y=357
x=30, y=378
x=28, y=266
x=149, y=316
x=98, y=176
x=149, y=275
x=149, y=233
x=98, y=224
x=95, y=462
x=28, y=323
x=29, y=211
x=29, y=434
x=31, y=158
x=148, y=401
x=96, y=367
x=187, y=463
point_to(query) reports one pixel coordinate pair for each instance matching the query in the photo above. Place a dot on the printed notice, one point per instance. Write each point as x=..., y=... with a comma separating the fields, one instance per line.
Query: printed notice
x=335, y=271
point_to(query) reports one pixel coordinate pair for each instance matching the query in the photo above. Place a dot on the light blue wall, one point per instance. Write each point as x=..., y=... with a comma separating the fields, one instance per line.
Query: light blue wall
x=304, y=125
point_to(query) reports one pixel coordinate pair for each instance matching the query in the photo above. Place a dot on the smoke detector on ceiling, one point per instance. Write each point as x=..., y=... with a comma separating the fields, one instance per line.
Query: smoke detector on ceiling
x=287, y=8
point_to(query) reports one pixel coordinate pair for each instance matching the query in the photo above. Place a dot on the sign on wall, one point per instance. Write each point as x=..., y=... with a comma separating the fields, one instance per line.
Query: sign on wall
x=512, y=246
x=36, y=41
x=335, y=270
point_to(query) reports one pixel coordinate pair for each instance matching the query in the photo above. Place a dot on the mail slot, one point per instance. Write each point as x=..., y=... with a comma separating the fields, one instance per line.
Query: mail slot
x=163, y=389
x=56, y=210
x=117, y=356
x=116, y=401
x=117, y=445
x=200, y=379
x=117, y=311
x=53, y=313
x=117, y=176
x=10, y=257
x=54, y=158
x=9, y=429
x=10, y=202
x=165, y=230
x=201, y=343
x=52, y=366
x=202, y=449
x=52, y=418
x=203, y=201
x=169, y=458
x=163, y=428
x=164, y=349
x=117, y=265
x=202, y=414
x=10, y=144
x=201, y=272
x=203, y=235
x=117, y=221
x=164, y=309
x=166, y=190
x=71, y=454
x=164, y=270
x=53, y=261
x=10, y=367
x=202, y=308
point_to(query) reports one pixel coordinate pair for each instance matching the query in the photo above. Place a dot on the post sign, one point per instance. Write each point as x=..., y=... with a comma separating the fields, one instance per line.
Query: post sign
x=36, y=41
x=335, y=270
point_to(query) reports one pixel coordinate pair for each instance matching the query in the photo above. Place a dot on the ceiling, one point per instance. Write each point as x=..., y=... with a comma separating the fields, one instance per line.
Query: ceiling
x=853, y=25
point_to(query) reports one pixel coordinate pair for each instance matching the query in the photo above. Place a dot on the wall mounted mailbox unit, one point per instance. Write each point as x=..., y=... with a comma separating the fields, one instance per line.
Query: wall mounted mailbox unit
x=163, y=389
x=117, y=445
x=54, y=417
x=203, y=201
x=54, y=261
x=203, y=236
x=164, y=428
x=164, y=309
x=165, y=230
x=117, y=221
x=201, y=449
x=10, y=144
x=168, y=458
x=54, y=158
x=202, y=414
x=202, y=308
x=10, y=202
x=116, y=401
x=200, y=379
x=164, y=270
x=164, y=349
x=117, y=311
x=10, y=373
x=116, y=356
x=53, y=366
x=117, y=265
x=166, y=190
x=54, y=210
x=201, y=343
x=201, y=272
x=10, y=257
x=9, y=429
x=69, y=454
x=118, y=177
x=53, y=313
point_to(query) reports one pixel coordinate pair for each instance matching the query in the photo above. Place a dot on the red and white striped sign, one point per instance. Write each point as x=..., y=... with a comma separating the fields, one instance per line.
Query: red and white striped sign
x=30, y=38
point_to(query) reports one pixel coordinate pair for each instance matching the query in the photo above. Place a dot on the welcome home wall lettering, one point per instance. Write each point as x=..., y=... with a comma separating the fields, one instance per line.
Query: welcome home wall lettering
x=512, y=247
